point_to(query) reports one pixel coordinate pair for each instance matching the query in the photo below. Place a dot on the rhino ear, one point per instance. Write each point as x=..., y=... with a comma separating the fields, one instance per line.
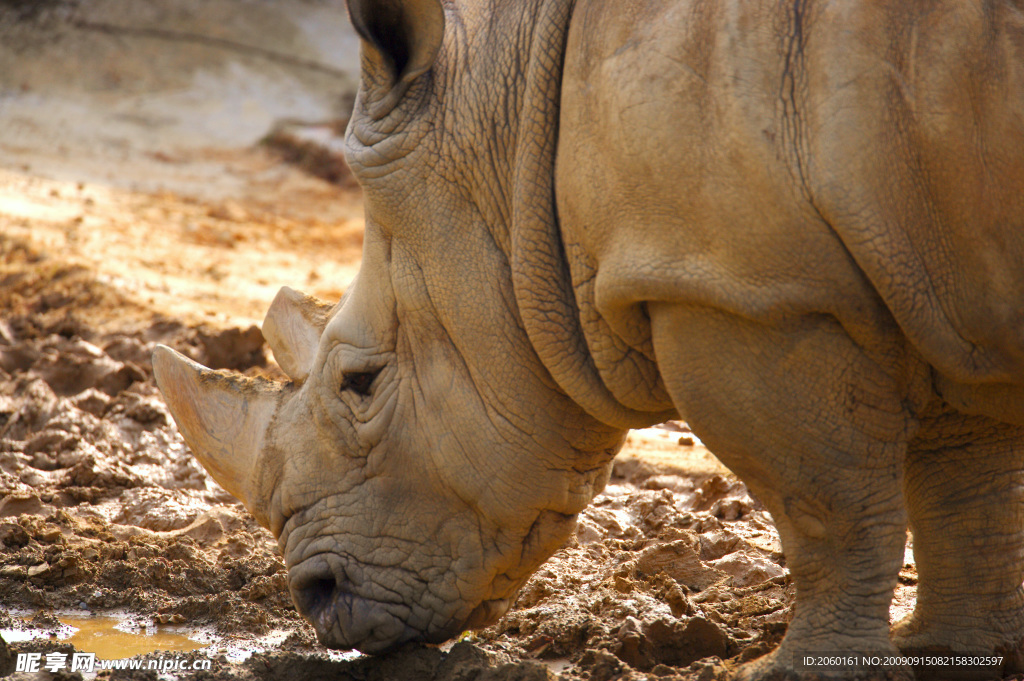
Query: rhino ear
x=401, y=39
x=292, y=327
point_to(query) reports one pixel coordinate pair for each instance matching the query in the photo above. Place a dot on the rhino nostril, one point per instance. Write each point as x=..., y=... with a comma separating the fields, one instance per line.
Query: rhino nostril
x=313, y=595
x=322, y=591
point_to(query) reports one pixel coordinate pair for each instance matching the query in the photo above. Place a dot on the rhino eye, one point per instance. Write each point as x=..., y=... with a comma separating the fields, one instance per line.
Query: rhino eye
x=358, y=382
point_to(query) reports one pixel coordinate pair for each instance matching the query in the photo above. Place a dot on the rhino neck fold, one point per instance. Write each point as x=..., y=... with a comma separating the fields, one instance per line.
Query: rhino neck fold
x=541, y=276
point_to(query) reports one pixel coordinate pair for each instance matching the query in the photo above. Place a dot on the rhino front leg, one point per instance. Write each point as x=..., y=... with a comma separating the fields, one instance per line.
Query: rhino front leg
x=964, y=487
x=818, y=431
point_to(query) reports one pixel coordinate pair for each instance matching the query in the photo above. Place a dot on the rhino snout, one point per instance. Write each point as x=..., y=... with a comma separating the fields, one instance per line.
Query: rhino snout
x=343, y=619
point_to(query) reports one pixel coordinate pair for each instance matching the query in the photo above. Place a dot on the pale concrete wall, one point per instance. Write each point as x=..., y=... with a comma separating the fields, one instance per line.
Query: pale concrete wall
x=191, y=72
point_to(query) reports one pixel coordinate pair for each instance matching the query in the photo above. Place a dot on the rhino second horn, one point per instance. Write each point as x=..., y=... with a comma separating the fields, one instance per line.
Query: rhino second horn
x=292, y=327
x=223, y=418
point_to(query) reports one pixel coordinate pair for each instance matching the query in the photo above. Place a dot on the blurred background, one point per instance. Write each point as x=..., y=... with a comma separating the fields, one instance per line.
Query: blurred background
x=187, y=151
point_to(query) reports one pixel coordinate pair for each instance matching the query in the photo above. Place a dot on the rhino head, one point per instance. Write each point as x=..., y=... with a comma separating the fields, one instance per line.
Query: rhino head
x=410, y=493
x=422, y=461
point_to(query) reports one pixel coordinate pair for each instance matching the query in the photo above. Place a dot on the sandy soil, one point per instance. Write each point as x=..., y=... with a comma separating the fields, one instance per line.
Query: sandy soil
x=136, y=229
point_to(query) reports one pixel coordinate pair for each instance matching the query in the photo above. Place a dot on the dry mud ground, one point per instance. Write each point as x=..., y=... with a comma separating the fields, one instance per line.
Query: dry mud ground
x=674, y=568
x=123, y=226
x=674, y=571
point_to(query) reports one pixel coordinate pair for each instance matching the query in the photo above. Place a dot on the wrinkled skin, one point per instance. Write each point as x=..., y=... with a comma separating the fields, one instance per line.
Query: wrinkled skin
x=798, y=225
x=412, y=488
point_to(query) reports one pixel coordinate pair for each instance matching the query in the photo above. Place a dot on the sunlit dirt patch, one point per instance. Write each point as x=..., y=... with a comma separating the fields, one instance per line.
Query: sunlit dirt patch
x=196, y=261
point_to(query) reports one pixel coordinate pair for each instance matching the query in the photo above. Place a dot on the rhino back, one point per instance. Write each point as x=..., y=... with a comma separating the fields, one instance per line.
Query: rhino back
x=862, y=160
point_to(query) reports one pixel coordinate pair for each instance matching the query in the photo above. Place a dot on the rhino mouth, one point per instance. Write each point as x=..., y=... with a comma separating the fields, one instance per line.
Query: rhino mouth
x=344, y=619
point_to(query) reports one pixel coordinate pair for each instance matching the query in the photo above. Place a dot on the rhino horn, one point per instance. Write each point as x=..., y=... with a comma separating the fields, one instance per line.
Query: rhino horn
x=292, y=327
x=223, y=418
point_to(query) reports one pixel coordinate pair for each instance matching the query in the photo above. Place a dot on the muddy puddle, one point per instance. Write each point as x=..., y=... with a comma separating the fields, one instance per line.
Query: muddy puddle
x=111, y=638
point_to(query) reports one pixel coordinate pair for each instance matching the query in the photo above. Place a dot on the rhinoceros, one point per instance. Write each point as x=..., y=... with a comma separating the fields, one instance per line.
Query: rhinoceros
x=797, y=225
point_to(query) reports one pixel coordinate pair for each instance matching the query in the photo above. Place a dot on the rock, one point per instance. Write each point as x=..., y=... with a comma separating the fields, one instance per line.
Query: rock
x=588, y=532
x=50, y=533
x=680, y=561
x=156, y=509
x=679, y=644
x=602, y=665
x=6, y=338
x=24, y=504
x=521, y=671
x=233, y=348
x=127, y=349
x=748, y=567
x=17, y=572
x=38, y=571
x=717, y=543
x=13, y=535
x=230, y=211
x=78, y=365
x=463, y=663
x=210, y=526
x=674, y=483
x=631, y=644
x=92, y=401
